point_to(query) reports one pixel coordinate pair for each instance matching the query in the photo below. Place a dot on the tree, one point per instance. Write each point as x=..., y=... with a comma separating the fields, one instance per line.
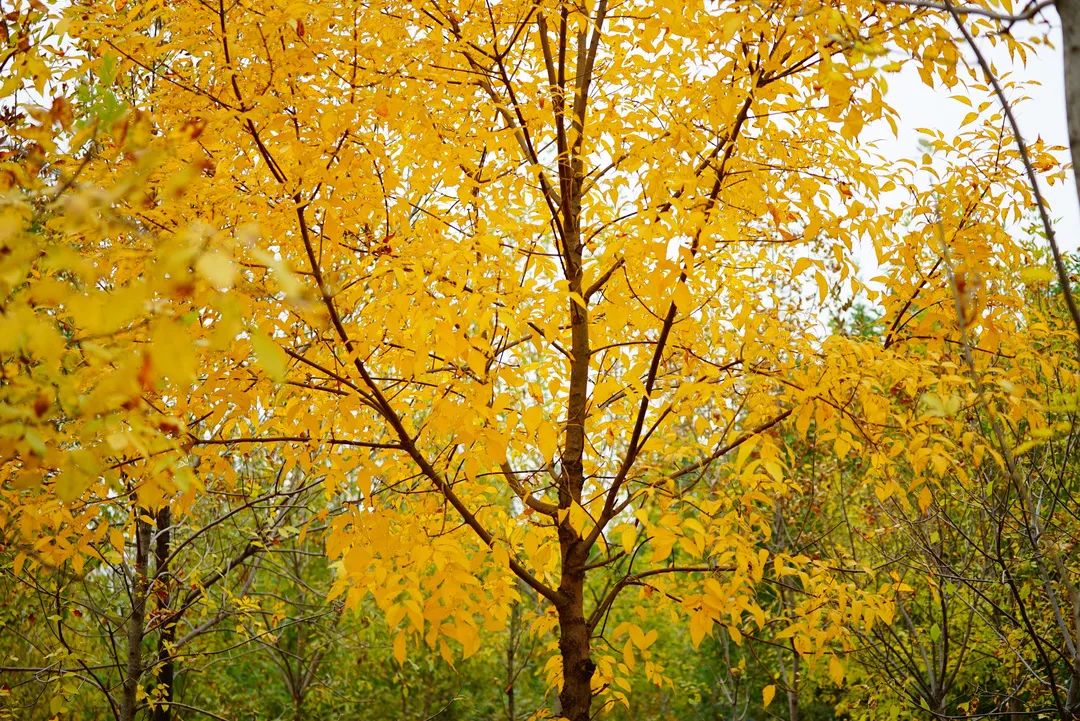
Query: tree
x=531, y=288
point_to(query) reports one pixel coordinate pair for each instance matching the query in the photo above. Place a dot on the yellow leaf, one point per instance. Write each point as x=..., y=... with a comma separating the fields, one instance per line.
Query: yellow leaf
x=925, y=499
x=547, y=439
x=836, y=670
x=628, y=538
x=286, y=279
x=682, y=298
x=399, y=648
x=823, y=286
x=775, y=470
x=800, y=265
x=802, y=421
x=767, y=694
x=641, y=639
x=116, y=538
x=745, y=450
x=700, y=625
x=469, y=639
x=217, y=269
x=579, y=519
x=841, y=445
x=662, y=543
x=116, y=441
x=71, y=482
x=1037, y=274
x=532, y=417
x=171, y=353
x=269, y=355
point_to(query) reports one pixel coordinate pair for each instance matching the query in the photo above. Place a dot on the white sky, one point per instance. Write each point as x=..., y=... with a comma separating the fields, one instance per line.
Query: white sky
x=1041, y=116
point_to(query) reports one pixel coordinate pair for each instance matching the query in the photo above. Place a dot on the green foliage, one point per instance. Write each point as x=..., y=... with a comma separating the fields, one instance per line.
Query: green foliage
x=95, y=98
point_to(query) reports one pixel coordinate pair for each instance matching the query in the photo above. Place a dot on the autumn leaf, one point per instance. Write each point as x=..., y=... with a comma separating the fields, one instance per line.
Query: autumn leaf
x=269, y=355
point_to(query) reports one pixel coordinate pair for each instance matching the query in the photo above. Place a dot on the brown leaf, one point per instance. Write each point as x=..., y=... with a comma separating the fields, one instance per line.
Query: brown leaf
x=146, y=374
x=41, y=404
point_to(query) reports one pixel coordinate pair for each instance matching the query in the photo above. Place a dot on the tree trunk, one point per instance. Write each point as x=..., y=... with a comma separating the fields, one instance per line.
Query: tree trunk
x=136, y=622
x=298, y=707
x=511, y=672
x=793, y=686
x=166, y=663
x=575, y=698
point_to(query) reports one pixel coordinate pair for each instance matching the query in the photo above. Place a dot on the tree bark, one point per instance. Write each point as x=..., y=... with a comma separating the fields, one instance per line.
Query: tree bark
x=511, y=672
x=166, y=663
x=575, y=698
x=136, y=627
x=793, y=686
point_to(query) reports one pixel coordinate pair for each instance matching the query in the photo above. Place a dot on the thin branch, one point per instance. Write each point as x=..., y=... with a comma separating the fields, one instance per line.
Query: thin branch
x=1033, y=9
x=1029, y=169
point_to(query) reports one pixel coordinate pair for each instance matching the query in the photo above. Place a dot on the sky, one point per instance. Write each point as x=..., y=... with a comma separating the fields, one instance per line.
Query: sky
x=1041, y=116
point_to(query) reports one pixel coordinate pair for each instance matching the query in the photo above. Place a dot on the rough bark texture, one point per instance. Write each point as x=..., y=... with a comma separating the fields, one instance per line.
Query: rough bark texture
x=575, y=698
x=136, y=626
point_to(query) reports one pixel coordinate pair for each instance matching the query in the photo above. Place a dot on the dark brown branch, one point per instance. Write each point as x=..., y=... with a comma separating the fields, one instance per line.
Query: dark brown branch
x=292, y=439
x=720, y=452
x=635, y=579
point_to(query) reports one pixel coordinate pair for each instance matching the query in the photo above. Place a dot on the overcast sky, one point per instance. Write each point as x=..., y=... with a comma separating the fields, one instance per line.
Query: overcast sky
x=1041, y=116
